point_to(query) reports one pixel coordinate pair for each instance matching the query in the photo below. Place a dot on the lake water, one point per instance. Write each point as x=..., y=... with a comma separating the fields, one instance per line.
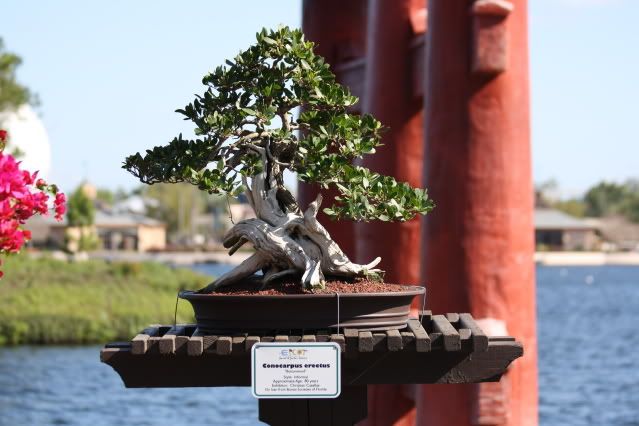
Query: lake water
x=588, y=331
x=588, y=336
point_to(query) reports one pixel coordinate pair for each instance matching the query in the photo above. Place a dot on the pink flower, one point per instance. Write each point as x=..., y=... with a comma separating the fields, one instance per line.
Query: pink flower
x=28, y=178
x=59, y=205
x=22, y=195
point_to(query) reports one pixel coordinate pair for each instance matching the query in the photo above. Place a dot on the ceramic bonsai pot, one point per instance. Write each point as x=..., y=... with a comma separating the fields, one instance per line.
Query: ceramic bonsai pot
x=363, y=311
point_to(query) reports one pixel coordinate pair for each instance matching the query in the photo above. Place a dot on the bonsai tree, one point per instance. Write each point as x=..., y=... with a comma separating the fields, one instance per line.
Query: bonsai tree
x=248, y=135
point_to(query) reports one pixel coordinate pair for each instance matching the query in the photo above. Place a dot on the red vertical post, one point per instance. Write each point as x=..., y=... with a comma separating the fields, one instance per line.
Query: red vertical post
x=478, y=243
x=391, y=96
x=338, y=29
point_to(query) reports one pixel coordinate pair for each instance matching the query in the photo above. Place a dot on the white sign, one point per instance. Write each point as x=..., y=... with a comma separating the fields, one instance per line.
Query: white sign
x=295, y=370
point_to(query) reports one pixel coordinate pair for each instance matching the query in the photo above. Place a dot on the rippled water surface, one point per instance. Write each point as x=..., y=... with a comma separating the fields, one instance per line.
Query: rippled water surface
x=588, y=331
x=588, y=326
x=69, y=386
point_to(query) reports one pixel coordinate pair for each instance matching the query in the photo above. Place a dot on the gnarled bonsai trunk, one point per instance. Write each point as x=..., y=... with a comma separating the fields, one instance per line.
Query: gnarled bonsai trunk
x=286, y=242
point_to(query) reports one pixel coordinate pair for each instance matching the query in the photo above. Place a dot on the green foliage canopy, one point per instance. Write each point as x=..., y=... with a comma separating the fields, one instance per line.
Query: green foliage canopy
x=250, y=103
x=602, y=199
x=12, y=94
x=80, y=209
x=608, y=198
x=178, y=204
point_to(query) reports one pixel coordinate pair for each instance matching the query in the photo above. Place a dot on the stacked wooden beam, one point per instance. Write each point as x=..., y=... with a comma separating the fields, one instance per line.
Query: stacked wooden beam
x=450, y=333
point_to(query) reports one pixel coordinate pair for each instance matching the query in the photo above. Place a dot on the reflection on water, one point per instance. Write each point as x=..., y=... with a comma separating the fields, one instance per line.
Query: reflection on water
x=589, y=367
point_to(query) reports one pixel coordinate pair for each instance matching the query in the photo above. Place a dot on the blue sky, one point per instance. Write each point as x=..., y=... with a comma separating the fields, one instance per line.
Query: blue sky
x=110, y=74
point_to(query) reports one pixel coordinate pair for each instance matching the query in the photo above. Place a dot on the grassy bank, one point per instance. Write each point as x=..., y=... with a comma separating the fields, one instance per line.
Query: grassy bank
x=51, y=301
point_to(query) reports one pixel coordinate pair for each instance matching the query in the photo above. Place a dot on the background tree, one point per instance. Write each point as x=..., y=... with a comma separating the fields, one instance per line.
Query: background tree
x=604, y=198
x=80, y=209
x=105, y=196
x=12, y=93
x=573, y=206
x=180, y=205
x=630, y=205
x=600, y=200
x=81, y=215
x=247, y=129
x=177, y=207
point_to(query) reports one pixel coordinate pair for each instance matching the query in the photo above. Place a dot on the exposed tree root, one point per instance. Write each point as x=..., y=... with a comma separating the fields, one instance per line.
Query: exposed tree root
x=286, y=243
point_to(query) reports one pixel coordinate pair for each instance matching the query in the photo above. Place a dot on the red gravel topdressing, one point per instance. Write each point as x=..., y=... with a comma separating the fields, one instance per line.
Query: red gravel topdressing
x=359, y=286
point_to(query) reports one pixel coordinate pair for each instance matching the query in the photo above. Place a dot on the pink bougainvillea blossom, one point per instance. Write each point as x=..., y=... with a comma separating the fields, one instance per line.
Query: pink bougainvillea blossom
x=22, y=195
x=60, y=205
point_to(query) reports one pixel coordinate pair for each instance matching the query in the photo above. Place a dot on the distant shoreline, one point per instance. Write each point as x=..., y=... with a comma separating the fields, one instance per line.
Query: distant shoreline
x=182, y=258
x=586, y=258
x=187, y=258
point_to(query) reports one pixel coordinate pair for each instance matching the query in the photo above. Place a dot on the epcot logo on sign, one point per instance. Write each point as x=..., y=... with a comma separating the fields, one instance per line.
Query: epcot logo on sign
x=292, y=353
x=296, y=370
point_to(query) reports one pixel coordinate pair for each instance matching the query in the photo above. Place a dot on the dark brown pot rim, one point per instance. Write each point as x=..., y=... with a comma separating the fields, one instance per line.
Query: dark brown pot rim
x=410, y=290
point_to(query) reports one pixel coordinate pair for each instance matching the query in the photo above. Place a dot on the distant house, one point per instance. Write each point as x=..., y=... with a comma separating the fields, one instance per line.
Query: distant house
x=129, y=231
x=556, y=230
x=116, y=231
x=619, y=233
x=134, y=204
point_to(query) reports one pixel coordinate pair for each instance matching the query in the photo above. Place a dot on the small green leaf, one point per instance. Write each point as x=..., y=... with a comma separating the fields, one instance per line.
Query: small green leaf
x=269, y=40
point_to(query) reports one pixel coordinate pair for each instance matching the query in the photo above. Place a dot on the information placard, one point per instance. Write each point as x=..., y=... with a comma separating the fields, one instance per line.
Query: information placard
x=295, y=370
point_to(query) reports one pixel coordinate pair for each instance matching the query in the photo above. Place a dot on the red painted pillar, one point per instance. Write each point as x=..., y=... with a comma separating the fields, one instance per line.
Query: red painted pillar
x=478, y=243
x=339, y=30
x=391, y=96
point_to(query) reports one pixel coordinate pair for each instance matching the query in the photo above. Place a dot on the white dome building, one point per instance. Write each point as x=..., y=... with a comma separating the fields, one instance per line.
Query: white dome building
x=27, y=133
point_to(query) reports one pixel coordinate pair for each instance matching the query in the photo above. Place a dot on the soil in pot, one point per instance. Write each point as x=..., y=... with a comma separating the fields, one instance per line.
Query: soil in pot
x=291, y=287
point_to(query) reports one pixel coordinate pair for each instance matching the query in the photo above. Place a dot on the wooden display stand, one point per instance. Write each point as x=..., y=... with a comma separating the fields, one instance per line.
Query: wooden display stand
x=448, y=348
